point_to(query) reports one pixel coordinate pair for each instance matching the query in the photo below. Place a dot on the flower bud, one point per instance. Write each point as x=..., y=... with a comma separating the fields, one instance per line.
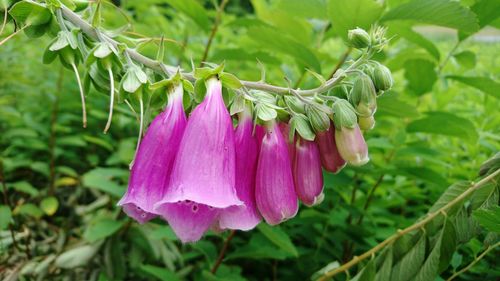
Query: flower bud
x=319, y=120
x=344, y=114
x=243, y=217
x=363, y=96
x=366, y=123
x=307, y=173
x=359, y=38
x=352, y=145
x=381, y=77
x=154, y=161
x=274, y=191
x=330, y=156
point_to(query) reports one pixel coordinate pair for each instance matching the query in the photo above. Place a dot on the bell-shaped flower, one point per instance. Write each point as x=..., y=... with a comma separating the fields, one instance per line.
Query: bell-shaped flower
x=204, y=170
x=154, y=160
x=285, y=131
x=243, y=217
x=274, y=191
x=307, y=173
x=330, y=156
x=352, y=145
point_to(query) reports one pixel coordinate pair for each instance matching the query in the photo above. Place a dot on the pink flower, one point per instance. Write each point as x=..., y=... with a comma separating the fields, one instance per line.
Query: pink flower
x=274, y=191
x=307, y=173
x=204, y=171
x=285, y=131
x=154, y=161
x=330, y=156
x=352, y=145
x=243, y=217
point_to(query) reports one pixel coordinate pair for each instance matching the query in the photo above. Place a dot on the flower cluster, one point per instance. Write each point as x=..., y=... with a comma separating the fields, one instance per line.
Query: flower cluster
x=202, y=173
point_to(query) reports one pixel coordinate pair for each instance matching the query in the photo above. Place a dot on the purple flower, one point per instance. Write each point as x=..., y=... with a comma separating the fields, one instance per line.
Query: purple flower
x=243, y=217
x=352, y=145
x=285, y=131
x=154, y=161
x=330, y=156
x=274, y=191
x=307, y=173
x=204, y=171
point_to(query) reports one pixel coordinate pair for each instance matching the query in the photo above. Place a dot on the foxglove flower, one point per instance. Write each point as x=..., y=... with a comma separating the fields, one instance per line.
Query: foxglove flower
x=154, y=161
x=243, y=217
x=285, y=131
x=352, y=145
x=204, y=171
x=307, y=173
x=330, y=156
x=274, y=191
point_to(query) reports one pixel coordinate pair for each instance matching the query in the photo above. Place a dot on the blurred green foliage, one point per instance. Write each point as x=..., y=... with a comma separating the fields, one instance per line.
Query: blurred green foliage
x=441, y=121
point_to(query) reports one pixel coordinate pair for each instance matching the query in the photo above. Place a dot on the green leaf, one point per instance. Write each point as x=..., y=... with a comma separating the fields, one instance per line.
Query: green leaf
x=367, y=273
x=484, y=84
x=194, y=10
x=484, y=195
x=5, y=216
x=76, y=257
x=102, y=179
x=437, y=12
x=349, y=14
x=467, y=59
x=451, y=193
x=421, y=75
x=486, y=12
x=443, y=123
x=24, y=187
x=159, y=273
x=428, y=271
x=29, y=210
x=384, y=273
x=410, y=264
x=300, y=123
x=489, y=218
x=265, y=112
x=305, y=9
x=278, y=237
x=390, y=104
x=273, y=40
x=102, y=229
x=405, y=31
x=30, y=13
x=49, y=205
x=448, y=246
x=259, y=247
x=230, y=81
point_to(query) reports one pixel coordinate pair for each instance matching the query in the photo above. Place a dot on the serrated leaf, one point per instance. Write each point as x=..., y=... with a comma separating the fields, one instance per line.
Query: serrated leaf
x=367, y=273
x=489, y=218
x=192, y=9
x=448, y=245
x=349, y=14
x=278, y=237
x=384, y=273
x=102, y=229
x=428, y=271
x=49, y=205
x=444, y=123
x=405, y=31
x=421, y=75
x=30, y=13
x=409, y=265
x=451, y=193
x=437, y=12
x=467, y=59
x=483, y=196
x=484, y=84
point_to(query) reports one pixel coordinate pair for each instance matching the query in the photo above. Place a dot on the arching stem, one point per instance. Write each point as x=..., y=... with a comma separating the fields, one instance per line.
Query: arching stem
x=82, y=95
x=12, y=35
x=112, y=99
x=4, y=20
x=139, y=137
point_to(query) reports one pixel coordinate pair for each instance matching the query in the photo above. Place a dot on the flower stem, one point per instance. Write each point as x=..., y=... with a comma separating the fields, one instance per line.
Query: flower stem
x=112, y=99
x=215, y=27
x=4, y=20
x=139, y=137
x=418, y=225
x=12, y=35
x=82, y=95
x=223, y=251
x=476, y=260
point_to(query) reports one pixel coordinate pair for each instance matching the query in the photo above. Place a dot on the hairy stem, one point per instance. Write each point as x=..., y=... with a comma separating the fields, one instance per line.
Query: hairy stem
x=223, y=251
x=111, y=99
x=418, y=225
x=215, y=27
x=82, y=95
x=171, y=70
x=476, y=260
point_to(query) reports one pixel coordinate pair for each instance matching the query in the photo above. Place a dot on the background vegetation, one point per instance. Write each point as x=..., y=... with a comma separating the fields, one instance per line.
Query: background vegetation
x=60, y=182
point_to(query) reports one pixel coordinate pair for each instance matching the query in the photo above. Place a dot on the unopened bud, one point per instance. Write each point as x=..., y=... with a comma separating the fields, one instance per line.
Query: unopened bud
x=359, y=38
x=381, y=77
x=366, y=123
x=352, y=146
x=344, y=115
x=363, y=96
x=319, y=119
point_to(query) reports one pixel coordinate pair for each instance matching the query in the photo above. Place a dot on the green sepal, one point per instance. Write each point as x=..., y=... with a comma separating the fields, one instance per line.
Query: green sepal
x=230, y=81
x=300, y=123
x=134, y=78
x=206, y=72
x=295, y=104
x=319, y=120
x=265, y=113
x=344, y=115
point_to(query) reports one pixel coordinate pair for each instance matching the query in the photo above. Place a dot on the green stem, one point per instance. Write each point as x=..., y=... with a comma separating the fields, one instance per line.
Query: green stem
x=112, y=99
x=82, y=95
x=215, y=27
x=12, y=35
x=4, y=23
x=476, y=260
x=139, y=137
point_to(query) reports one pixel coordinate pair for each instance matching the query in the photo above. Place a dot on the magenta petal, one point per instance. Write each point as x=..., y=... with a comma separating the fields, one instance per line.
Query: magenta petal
x=243, y=217
x=307, y=173
x=204, y=171
x=330, y=156
x=274, y=191
x=154, y=160
x=285, y=131
x=188, y=219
